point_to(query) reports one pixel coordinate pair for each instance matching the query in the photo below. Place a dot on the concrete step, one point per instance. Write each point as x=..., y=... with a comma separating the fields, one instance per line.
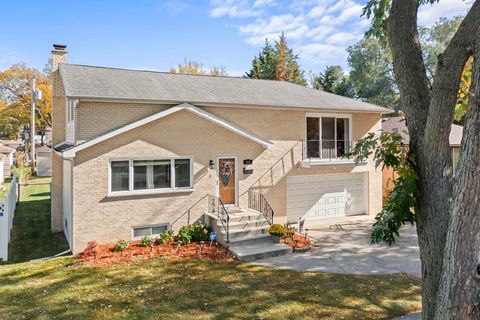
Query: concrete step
x=240, y=225
x=259, y=250
x=252, y=231
x=246, y=215
x=248, y=240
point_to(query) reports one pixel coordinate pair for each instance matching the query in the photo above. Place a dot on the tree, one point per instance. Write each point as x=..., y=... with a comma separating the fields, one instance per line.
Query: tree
x=371, y=73
x=333, y=80
x=277, y=62
x=446, y=207
x=194, y=67
x=15, y=100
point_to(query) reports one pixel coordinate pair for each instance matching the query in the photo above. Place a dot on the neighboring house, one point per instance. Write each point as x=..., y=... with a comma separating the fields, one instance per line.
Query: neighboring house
x=137, y=152
x=398, y=124
x=8, y=161
x=43, y=165
x=14, y=144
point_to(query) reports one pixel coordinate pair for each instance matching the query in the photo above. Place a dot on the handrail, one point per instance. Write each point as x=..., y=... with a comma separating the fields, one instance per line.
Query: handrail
x=188, y=212
x=215, y=205
x=258, y=202
x=326, y=149
x=277, y=162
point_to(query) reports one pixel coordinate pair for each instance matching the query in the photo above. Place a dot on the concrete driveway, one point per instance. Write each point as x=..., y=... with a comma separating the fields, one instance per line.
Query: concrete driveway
x=343, y=246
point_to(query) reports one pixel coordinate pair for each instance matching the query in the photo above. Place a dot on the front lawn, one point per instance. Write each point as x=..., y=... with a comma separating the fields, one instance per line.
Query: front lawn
x=31, y=236
x=163, y=288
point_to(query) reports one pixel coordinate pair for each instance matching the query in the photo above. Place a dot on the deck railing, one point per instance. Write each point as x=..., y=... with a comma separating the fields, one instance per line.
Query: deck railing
x=329, y=150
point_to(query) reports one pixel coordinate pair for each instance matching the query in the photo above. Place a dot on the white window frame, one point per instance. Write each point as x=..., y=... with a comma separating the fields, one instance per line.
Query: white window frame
x=169, y=227
x=329, y=115
x=132, y=192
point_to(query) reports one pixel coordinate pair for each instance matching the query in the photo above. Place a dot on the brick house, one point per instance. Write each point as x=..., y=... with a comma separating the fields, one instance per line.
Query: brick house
x=137, y=152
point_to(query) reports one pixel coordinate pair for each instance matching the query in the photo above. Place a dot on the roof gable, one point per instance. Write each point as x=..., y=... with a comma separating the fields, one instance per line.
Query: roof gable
x=70, y=151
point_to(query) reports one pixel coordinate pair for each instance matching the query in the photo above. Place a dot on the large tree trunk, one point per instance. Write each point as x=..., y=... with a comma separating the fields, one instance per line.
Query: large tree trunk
x=429, y=113
x=459, y=292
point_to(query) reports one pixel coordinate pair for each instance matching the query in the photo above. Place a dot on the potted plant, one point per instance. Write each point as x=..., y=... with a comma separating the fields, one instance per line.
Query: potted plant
x=277, y=231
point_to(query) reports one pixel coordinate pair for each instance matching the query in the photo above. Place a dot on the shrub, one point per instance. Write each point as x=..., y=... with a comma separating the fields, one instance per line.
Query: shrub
x=290, y=232
x=23, y=174
x=277, y=230
x=165, y=237
x=193, y=233
x=120, y=245
x=146, y=242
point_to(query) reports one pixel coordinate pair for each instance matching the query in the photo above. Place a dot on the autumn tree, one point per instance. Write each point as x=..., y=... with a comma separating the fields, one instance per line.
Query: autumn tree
x=446, y=207
x=15, y=100
x=277, y=62
x=194, y=67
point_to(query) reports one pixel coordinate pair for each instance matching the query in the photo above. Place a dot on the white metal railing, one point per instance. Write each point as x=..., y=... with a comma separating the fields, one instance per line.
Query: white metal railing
x=7, y=211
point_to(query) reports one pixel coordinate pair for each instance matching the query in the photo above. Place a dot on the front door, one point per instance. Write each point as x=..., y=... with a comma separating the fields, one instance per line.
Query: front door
x=226, y=183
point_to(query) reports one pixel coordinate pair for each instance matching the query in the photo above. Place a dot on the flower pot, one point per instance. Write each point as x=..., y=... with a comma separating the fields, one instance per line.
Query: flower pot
x=276, y=239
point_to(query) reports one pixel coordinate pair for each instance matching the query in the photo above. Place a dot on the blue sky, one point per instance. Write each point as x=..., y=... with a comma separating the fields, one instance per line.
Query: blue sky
x=154, y=35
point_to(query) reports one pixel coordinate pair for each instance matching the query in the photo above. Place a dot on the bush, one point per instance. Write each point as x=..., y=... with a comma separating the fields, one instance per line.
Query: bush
x=146, y=242
x=277, y=230
x=120, y=245
x=165, y=237
x=193, y=233
x=290, y=232
x=23, y=174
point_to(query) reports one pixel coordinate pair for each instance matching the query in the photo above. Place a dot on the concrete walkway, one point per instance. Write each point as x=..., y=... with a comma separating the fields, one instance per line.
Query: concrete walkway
x=347, y=249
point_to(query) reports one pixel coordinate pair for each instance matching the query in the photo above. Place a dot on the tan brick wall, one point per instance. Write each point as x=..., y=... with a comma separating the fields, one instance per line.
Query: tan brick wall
x=94, y=118
x=102, y=218
x=58, y=135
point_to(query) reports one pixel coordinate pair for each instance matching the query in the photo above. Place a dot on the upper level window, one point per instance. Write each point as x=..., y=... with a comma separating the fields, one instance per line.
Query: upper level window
x=70, y=110
x=328, y=136
x=140, y=176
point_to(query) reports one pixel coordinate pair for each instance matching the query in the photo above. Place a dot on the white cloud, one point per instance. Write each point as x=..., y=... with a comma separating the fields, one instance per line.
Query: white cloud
x=428, y=13
x=318, y=30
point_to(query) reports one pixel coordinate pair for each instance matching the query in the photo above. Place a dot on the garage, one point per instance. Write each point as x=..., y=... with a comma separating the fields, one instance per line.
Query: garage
x=326, y=196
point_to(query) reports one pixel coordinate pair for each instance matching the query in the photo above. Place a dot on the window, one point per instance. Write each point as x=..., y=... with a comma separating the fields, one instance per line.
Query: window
x=137, y=176
x=327, y=136
x=70, y=110
x=149, y=231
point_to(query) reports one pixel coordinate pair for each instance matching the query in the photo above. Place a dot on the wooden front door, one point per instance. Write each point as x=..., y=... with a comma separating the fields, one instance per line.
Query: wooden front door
x=226, y=177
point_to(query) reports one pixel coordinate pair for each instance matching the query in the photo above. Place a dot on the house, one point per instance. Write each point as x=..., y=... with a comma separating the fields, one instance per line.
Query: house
x=8, y=161
x=14, y=144
x=399, y=124
x=43, y=155
x=138, y=152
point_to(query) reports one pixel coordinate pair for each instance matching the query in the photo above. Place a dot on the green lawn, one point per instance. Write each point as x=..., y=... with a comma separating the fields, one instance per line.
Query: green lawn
x=31, y=235
x=3, y=191
x=189, y=289
x=163, y=288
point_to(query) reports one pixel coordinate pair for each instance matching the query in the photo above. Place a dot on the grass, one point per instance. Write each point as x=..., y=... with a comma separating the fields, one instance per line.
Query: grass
x=4, y=189
x=179, y=289
x=189, y=289
x=31, y=236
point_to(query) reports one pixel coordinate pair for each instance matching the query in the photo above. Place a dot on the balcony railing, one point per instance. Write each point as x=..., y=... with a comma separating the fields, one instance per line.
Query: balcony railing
x=328, y=150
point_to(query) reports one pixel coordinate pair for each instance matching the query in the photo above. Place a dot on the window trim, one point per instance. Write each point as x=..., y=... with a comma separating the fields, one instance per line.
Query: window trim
x=151, y=226
x=132, y=192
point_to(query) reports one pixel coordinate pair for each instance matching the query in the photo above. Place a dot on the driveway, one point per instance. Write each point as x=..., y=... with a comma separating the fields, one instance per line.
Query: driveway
x=343, y=246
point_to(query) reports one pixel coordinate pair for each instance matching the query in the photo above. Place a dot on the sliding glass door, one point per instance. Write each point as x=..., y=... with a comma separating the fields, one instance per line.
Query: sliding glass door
x=327, y=137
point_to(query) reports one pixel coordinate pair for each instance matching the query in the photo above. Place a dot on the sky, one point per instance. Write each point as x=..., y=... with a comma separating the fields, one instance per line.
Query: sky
x=155, y=35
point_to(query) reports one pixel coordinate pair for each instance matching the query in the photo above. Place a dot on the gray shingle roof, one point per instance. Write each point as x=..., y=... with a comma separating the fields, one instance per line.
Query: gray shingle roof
x=399, y=125
x=110, y=83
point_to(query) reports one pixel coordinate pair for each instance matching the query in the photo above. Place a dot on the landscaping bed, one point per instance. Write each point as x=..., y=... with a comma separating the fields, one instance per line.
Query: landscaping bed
x=105, y=254
x=297, y=241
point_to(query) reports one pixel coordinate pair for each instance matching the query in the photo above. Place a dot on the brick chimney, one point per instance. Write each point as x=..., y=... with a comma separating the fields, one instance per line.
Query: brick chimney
x=59, y=55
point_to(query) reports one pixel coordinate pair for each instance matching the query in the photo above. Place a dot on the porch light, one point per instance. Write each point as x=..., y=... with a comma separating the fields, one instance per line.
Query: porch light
x=210, y=164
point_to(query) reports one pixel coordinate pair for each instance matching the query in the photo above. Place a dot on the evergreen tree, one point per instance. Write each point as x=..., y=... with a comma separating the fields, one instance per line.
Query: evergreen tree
x=277, y=62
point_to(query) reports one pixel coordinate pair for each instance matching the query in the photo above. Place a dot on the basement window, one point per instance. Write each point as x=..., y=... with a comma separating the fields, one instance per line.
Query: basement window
x=149, y=231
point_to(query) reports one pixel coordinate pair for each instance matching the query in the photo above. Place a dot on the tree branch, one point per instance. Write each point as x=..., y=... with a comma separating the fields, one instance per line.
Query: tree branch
x=408, y=65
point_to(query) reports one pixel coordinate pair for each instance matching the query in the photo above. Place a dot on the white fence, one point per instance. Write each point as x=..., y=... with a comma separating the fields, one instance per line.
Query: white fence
x=7, y=211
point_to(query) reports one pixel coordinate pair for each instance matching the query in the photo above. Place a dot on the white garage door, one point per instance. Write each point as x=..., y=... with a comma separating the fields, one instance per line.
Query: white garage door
x=326, y=196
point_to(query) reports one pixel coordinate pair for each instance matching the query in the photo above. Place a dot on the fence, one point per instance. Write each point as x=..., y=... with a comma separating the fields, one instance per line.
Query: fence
x=7, y=211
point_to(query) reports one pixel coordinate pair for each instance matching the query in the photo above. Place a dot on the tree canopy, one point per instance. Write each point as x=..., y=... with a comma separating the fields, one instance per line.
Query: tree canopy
x=277, y=62
x=194, y=67
x=15, y=100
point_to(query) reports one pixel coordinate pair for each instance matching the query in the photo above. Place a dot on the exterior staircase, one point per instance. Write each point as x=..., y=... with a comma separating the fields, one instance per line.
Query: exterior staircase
x=247, y=237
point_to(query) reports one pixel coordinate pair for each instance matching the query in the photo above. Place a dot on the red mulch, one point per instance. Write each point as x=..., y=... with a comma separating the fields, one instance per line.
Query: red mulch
x=297, y=241
x=103, y=254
